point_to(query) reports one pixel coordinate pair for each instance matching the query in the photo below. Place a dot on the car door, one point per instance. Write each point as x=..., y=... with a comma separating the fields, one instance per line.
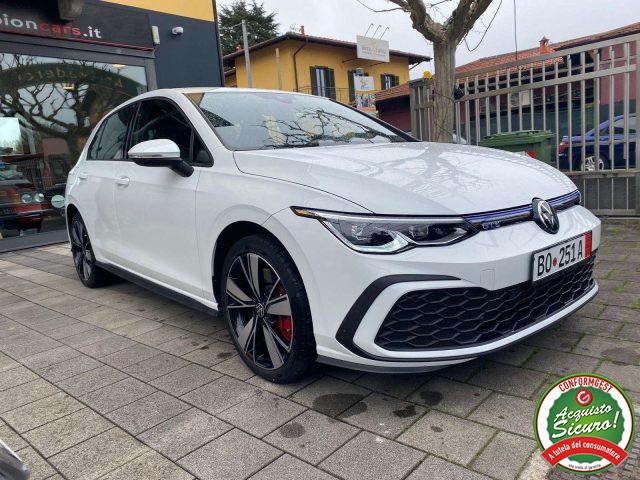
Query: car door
x=95, y=182
x=155, y=206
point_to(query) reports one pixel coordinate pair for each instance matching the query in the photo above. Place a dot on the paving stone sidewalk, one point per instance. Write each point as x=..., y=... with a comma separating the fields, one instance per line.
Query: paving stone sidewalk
x=118, y=383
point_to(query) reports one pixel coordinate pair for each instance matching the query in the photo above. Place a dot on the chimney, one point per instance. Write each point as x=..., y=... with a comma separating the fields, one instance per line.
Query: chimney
x=302, y=30
x=544, y=46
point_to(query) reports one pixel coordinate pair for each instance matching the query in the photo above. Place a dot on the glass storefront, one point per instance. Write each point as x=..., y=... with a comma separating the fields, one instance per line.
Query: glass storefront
x=48, y=107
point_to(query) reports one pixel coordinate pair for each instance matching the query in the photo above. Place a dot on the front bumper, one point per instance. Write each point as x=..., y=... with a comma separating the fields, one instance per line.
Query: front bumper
x=350, y=294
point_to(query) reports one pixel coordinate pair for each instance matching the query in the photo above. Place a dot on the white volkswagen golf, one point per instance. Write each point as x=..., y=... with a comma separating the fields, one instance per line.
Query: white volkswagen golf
x=323, y=234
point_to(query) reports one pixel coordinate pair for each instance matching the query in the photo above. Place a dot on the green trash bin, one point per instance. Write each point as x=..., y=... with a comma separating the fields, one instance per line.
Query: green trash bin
x=535, y=143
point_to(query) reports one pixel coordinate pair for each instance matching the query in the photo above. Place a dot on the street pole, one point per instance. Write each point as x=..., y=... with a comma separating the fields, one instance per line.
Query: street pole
x=247, y=61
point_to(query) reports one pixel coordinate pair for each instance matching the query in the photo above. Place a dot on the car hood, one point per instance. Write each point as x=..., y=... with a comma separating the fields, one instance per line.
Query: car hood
x=413, y=178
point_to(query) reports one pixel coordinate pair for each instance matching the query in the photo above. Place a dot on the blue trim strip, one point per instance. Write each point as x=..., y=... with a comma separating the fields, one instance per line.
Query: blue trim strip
x=522, y=213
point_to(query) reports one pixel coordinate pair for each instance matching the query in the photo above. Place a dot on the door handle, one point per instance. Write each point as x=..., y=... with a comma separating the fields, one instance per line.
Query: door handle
x=83, y=175
x=124, y=181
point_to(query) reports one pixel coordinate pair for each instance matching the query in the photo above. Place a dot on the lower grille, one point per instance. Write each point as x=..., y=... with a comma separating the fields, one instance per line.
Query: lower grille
x=463, y=317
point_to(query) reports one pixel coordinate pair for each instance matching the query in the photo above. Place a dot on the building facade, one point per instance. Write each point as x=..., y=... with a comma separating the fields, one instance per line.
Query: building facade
x=297, y=62
x=63, y=65
x=394, y=107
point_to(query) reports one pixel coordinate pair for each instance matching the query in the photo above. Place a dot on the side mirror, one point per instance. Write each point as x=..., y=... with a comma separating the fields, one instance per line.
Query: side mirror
x=160, y=153
x=11, y=466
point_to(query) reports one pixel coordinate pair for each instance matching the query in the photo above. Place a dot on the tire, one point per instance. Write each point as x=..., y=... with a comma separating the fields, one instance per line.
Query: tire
x=265, y=306
x=91, y=275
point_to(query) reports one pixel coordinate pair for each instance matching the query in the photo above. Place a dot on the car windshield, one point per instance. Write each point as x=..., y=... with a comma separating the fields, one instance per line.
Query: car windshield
x=268, y=120
x=10, y=172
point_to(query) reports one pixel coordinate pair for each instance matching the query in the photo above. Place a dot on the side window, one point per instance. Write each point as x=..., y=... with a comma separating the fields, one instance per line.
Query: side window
x=160, y=119
x=618, y=127
x=109, y=141
x=389, y=81
x=93, y=148
x=200, y=154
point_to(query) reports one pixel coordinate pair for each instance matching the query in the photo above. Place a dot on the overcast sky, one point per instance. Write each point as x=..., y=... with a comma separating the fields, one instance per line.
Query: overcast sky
x=557, y=19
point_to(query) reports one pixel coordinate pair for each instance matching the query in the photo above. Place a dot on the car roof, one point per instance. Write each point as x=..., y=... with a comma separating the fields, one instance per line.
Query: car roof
x=191, y=90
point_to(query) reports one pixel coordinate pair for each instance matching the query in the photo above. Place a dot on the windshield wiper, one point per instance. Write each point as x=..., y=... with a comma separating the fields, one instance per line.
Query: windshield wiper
x=295, y=145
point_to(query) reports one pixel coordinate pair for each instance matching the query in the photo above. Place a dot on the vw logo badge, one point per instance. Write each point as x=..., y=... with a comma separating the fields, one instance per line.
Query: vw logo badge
x=545, y=215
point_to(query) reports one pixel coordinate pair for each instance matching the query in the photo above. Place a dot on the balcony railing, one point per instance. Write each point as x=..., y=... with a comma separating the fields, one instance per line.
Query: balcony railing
x=339, y=94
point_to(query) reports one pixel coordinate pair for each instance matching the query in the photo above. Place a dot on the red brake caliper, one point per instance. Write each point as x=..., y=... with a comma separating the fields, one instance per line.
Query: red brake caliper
x=285, y=324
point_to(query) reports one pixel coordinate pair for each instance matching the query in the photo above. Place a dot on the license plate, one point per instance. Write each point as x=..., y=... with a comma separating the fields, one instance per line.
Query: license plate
x=560, y=256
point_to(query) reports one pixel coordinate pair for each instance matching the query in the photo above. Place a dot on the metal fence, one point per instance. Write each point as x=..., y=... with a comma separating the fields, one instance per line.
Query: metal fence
x=585, y=96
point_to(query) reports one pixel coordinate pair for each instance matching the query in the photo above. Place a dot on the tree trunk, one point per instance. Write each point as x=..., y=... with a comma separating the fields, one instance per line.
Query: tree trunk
x=444, y=80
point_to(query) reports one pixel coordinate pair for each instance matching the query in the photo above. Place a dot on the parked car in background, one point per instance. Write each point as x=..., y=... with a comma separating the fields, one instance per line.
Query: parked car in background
x=602, y=158
x=22, y=206
x=324, y=234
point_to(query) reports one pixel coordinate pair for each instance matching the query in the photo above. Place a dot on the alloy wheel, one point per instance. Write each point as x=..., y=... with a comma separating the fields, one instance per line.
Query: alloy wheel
x=259, y=311
x=590, y=164
x=81, y=250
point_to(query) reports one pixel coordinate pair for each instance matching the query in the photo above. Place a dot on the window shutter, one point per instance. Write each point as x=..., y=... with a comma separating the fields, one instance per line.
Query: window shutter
x=352, y=87
x=314, y=81
x=331, y=82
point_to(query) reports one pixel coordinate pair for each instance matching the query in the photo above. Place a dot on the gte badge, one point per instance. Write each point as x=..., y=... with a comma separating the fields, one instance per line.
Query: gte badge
x=584, y=424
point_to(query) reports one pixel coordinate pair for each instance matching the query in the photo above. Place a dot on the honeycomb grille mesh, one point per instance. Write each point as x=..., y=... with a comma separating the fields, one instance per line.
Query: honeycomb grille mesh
x=463, y=317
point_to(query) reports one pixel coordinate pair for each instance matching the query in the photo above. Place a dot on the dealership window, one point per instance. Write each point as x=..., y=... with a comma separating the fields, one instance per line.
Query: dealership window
x=389, y=81
x=323, y=82
x=48, y=108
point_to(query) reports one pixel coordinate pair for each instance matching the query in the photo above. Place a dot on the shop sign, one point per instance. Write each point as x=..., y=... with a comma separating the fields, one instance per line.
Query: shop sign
x=372, y=49
x=103, y=24
x=365, y=92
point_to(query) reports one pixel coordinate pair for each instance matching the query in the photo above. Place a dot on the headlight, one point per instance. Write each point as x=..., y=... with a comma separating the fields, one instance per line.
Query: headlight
x=38, y=197
x=26, y=198
x=380, y=234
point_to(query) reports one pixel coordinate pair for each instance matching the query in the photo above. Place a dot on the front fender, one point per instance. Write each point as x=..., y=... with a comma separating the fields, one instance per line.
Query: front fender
x=224, y=199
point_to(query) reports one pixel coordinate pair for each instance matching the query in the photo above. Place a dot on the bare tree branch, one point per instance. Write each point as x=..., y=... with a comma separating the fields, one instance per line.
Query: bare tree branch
x=422, y=21
x=445, y=37
x=377, y=11
x=463, y=17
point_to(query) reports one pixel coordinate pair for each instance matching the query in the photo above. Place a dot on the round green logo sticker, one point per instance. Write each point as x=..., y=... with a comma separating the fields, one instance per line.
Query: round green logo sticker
x=584, y=424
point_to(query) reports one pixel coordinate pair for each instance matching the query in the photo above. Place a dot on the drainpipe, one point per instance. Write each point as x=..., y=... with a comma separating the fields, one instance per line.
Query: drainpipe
x=279, y=67
x=295, y=63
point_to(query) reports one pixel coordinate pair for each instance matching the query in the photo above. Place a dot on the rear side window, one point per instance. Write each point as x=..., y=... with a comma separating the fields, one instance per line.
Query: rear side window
x=109, y=142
